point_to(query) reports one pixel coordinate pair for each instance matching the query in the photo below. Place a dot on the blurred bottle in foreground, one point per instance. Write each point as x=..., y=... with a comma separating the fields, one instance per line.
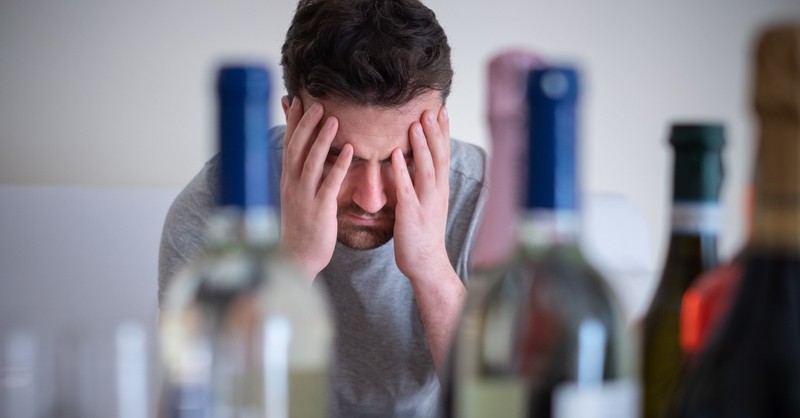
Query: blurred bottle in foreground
x=242, y=333
x=751, y=366
x=548, y=340
x=697, y=178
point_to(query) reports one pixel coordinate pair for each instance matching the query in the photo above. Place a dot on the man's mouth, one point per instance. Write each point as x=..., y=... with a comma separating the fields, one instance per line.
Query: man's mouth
x=365, y=218
x=356, y=216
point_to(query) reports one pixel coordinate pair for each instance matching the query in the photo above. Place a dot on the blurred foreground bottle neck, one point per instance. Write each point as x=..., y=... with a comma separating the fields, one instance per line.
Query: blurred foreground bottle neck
x=247, y=209
x=550, y=214
x=507, y=116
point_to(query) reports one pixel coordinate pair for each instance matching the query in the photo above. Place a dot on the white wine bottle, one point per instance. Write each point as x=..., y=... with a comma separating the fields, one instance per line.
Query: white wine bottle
x=548, y=339
x=507, y=73
x=242, y=333
x=751, y=366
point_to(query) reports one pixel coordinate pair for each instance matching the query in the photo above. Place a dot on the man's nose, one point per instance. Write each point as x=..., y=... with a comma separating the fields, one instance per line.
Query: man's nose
x=370, y=193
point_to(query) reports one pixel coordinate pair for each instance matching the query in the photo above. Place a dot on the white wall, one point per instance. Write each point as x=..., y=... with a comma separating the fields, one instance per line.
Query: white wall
x=118, y=93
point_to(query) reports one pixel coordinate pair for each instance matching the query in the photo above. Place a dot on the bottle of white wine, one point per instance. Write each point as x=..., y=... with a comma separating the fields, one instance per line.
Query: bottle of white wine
x=549, y=339
x=507, y=76
x=751, y=366
x=242, y=333
x=696, y=182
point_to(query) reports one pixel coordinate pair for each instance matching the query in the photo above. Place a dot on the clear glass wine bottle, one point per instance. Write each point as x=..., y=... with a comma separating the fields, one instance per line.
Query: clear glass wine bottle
x=549, y=339
x=243, y=334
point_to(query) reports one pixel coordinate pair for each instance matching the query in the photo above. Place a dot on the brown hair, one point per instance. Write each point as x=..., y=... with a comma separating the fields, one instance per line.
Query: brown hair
x=368, y=52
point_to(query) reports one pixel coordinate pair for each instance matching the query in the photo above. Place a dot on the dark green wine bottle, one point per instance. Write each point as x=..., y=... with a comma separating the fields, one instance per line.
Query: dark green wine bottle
x=697, y=177
x=751, y=366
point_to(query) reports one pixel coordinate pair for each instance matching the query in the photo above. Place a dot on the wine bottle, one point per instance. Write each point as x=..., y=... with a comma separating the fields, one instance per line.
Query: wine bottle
x=751, y=366
x=697, y=177
x=242, y=333
x=548, y=339
x=506, y=75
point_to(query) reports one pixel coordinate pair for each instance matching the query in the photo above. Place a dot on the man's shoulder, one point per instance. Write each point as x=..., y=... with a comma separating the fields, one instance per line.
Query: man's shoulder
x=276, y=136
x=467, y=161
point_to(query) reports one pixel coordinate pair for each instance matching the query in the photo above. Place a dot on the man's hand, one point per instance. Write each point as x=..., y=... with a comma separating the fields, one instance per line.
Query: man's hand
x=308, y=194
x=419, y=232
x=421, y=211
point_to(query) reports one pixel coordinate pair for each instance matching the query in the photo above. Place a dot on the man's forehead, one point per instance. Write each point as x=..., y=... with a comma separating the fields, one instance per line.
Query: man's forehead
x=376, y=130
x=431, y=97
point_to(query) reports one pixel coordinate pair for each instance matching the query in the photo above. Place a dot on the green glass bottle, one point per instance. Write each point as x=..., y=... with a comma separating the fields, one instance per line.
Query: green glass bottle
x=697, y=177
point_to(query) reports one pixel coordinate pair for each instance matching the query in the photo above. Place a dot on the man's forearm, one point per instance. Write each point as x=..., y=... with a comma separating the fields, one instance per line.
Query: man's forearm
x=440, y=299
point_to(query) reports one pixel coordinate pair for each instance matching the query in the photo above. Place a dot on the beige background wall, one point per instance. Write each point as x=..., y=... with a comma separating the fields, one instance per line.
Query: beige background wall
x=118, y=93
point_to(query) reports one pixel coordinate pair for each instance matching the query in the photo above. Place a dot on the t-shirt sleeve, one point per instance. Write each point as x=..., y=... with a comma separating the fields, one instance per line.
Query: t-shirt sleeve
x=468, y=194
x=183, y=234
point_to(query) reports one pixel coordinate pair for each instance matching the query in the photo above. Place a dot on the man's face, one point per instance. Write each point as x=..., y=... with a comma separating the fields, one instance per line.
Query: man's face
x=367, y=198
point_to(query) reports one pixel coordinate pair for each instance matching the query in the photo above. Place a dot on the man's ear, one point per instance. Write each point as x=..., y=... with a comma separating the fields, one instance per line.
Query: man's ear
x=285, y=104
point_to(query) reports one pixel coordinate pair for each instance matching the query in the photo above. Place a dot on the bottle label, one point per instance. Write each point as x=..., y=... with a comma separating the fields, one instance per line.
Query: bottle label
x=615, y=399
x=696, y=218
x=492, y=398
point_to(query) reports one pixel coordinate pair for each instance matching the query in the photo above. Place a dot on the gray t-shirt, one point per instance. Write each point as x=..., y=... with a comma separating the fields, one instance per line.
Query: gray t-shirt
x=382, y=364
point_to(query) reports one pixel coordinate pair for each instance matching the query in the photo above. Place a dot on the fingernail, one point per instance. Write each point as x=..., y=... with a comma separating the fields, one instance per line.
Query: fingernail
x=429, y=116
x=418, y=129
x=294, y=101
x=445, y=116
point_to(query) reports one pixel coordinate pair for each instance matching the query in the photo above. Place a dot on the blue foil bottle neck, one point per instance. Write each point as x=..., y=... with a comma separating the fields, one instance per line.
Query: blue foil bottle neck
x=552, y=175
x=245, y=173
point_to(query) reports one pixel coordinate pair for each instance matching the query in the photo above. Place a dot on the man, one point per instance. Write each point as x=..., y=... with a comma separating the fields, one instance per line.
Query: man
x=377, y=202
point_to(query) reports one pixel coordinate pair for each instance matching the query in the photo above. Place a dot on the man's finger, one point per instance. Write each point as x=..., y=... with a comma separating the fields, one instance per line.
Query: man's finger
x=333, y=181
x=293, y=116
x=425, y=172
x=438, y=144
x=315, y=161
x=297, y=148
x=444, y=124
x=402, y=180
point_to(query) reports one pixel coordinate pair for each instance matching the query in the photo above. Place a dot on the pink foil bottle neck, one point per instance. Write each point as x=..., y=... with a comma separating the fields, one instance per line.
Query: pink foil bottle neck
x=506, y=109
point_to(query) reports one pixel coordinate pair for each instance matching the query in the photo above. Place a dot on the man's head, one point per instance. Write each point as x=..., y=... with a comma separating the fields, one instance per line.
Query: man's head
x=376, y=66
x=367, y=52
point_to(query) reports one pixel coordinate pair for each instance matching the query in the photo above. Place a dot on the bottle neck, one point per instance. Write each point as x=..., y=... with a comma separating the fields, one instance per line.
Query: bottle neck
x=693, y=240
x=696, y=218
x=542, y=228
x=700, y=248
x=257, y=226
x=776, y=222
